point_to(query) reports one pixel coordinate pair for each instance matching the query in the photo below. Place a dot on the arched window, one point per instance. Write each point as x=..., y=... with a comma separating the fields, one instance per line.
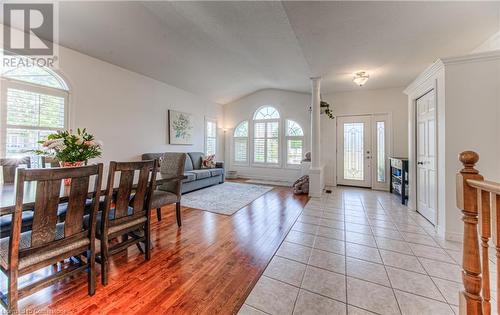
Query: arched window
x=266, y=135
x=240, y=137
x=294, y=142
x=34, y=104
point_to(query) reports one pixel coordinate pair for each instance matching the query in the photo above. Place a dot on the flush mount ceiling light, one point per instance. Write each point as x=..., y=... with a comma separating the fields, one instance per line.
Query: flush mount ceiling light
x=360, y=78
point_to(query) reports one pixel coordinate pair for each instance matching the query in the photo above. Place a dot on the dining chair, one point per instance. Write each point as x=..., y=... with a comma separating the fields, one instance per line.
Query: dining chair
x=169, y=191
x=49, y=241
x=126, y=213
x=9, y=166
x=51, y=161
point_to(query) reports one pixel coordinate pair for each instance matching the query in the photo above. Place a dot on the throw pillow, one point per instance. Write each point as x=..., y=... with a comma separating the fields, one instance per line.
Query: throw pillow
x=208, y=161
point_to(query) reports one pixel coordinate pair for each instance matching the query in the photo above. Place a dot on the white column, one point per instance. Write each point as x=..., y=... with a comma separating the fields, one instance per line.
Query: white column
x=316, y=171
x=315, y=123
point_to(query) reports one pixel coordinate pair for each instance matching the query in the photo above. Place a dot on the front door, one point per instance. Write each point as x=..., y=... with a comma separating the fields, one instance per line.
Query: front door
x=354, y=151
x=426, y=156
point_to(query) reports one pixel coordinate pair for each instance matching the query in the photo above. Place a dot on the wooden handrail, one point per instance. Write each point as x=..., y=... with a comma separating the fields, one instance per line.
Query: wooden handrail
x=479, y=201
x=485, y=185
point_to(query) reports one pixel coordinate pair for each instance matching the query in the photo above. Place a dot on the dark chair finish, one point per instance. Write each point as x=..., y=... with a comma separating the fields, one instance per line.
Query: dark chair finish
x=52, y=161
x=49, y=242
x=170, y=189
x=9, y=166
x=126, y=214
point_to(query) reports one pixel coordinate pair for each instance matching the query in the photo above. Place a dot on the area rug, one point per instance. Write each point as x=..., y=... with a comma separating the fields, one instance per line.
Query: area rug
x=269, y=182
x=226, y=198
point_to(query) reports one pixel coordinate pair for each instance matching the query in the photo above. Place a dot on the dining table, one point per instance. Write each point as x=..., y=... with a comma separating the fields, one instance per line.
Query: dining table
x=8, y=193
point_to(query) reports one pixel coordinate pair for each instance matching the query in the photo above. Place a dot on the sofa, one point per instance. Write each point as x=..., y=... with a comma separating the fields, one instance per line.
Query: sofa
x=197, y=177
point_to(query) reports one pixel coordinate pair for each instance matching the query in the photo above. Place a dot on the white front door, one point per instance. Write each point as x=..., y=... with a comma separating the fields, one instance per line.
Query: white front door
x=426, y=156
x=354, y=151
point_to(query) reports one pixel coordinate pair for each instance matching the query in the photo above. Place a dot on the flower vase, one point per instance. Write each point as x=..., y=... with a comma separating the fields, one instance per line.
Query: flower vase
x=67, y=181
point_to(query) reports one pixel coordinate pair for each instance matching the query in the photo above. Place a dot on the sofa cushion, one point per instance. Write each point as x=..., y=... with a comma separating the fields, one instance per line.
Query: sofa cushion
x=188, y=165
x=196, y=158
x=200, y=174
x=190, y=177
x=216, y=171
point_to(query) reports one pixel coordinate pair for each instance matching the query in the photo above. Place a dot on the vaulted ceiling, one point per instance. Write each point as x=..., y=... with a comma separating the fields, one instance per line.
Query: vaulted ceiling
x=225, y=50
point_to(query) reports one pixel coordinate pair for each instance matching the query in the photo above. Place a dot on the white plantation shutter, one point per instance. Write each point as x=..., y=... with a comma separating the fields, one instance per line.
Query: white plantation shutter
x=210, y=137
x=266, y=146
x=240, y=137
x=294, y=142
x=29, y=114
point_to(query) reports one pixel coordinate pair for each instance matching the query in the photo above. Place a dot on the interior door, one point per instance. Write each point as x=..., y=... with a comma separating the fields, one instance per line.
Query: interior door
x=426, y=156
x=354, y=151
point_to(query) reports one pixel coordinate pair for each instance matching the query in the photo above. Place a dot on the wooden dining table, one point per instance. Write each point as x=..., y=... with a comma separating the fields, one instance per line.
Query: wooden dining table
x=8, y=193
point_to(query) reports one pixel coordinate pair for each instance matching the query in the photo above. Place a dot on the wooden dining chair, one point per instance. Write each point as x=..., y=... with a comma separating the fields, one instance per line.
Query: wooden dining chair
x=169, y=191
x=51, y=161
x=125, y=213
x=9, y=166
x=49, y=241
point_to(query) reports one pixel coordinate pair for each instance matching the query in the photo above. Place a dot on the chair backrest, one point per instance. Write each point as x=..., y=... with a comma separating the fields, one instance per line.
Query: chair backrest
x=172, y=165
x=9, y=166
x=132, y=199
x=46, y=232
x=52, y=161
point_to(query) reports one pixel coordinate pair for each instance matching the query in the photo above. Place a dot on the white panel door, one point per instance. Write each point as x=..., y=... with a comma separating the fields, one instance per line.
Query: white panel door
x=426, y=156
x=354, y=151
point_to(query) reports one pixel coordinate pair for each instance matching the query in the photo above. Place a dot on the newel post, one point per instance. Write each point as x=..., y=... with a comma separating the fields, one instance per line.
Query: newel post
x=470, y=298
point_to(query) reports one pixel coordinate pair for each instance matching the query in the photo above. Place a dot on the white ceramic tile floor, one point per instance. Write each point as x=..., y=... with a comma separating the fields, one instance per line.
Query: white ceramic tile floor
x=359, y=251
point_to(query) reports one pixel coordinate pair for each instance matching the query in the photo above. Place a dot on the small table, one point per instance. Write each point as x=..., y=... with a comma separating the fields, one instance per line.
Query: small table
x=399, y=177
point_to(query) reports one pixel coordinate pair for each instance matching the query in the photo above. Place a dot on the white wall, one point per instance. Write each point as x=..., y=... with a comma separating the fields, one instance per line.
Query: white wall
x=128, y=111
x=291, y=105
x=362, y=102
x=472, y=123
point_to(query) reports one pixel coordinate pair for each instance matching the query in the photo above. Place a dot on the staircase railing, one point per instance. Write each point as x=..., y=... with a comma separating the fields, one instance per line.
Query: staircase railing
x=479, y=201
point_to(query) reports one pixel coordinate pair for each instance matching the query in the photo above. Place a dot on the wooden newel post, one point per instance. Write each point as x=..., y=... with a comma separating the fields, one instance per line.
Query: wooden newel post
x=470, y=298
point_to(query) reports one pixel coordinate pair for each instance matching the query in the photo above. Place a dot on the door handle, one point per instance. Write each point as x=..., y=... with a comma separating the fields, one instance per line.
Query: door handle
x=420, y=163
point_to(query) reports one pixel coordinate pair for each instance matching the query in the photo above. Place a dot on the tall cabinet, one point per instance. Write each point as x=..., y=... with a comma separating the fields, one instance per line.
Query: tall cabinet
x=466, y=92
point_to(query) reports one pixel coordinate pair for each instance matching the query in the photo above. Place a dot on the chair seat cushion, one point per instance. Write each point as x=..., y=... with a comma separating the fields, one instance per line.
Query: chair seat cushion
x=6, y=220
x=190, y=177
x=111, y=216
x=216, y=171
x=200, y=174
x=25, y=242
x=162, y=198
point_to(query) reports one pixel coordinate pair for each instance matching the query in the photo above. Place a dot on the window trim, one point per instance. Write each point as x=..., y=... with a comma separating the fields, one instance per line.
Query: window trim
x=5, y=84
x=285, y=145
x=233, y=155
x=210, y=120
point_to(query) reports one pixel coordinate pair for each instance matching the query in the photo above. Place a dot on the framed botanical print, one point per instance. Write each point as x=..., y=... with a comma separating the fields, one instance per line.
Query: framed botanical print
x=180, y=126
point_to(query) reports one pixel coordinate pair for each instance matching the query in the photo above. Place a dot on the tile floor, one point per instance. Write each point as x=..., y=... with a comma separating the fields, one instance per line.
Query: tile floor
x=358, y=251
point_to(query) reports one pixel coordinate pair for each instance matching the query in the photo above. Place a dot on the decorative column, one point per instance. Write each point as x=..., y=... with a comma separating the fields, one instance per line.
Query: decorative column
x=315, y=122
x=315, y=173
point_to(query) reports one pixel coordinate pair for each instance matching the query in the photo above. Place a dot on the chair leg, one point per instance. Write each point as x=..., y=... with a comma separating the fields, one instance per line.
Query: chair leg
x=158, y=214
x=12, y=294
x=104, y=260
x=91, y=274
x=178, y=213
x=147, y=241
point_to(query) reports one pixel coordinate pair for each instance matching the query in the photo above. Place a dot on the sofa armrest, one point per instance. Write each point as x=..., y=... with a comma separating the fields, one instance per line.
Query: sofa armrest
x=219, y=164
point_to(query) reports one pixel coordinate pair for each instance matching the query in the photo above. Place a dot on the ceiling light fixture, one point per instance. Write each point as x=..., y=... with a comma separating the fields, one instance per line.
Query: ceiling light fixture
x=360, y=78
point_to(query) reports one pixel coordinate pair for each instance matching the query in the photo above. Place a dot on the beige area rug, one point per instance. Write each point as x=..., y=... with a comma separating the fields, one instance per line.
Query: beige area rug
x=226, y=198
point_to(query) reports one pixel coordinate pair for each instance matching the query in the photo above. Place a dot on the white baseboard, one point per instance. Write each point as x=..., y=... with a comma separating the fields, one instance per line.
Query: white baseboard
x=260, y=177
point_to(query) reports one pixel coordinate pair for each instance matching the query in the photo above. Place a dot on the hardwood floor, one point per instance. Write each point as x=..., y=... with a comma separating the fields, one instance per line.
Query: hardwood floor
x=208, y=266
